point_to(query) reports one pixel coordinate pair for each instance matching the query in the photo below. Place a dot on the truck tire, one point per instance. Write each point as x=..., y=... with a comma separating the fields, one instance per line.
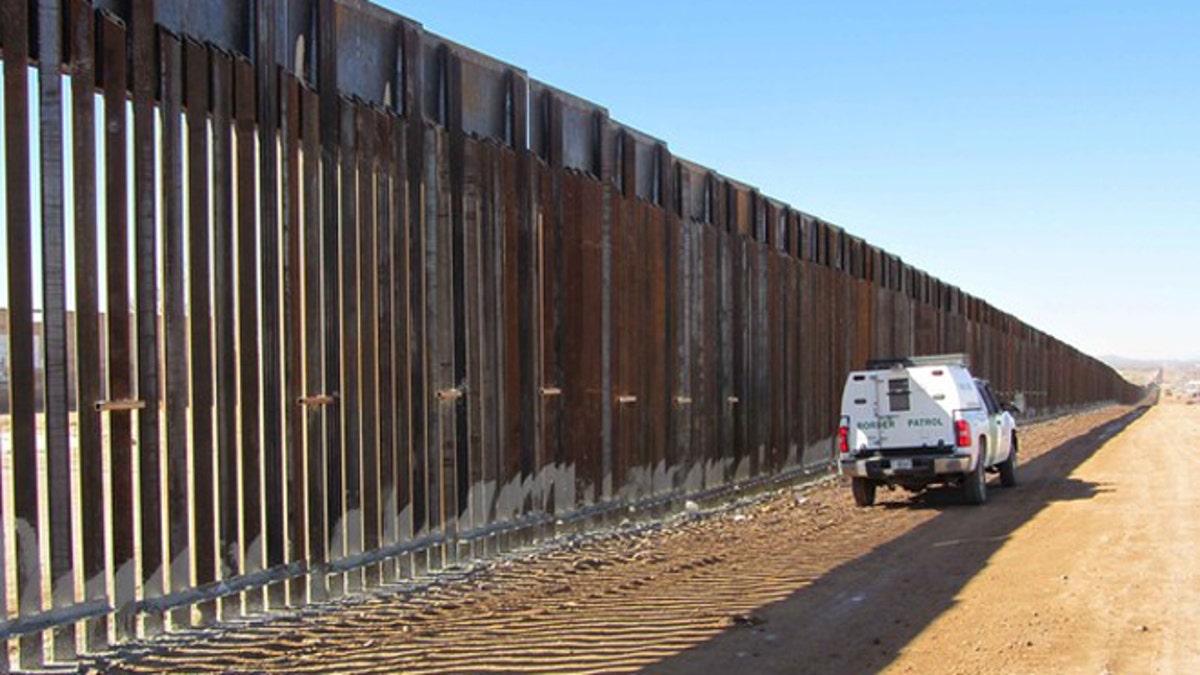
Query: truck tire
x=864, y=491
x=1008, y=468
x=975, y=483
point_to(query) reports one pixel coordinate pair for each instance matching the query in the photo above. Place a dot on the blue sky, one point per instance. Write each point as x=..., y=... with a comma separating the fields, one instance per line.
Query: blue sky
x=1042, y=155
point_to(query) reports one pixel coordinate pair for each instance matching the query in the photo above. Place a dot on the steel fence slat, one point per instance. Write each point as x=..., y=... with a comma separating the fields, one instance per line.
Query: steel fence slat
x=224, y=237
x=144, y=70
x=315, y=280
x=368, y=333
x=180, y=548
x=113, y=59
x=386, y=321
x=22, y=387
x=295, y=514
x=196, y=95
x=54, y=320
x=249, y=257
x=343, y=515
x=89, y=348
x=274, y=461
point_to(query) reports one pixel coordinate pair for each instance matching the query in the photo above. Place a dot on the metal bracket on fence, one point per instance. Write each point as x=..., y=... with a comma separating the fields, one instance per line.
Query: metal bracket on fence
x=120, y=405
x=625, y=400
x=733, y=400
x=317, y=400
x=449, y=394
x=551, y=391
x=683, y=400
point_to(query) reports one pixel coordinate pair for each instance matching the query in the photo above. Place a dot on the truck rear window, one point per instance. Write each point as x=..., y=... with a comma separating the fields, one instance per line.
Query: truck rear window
x=898, y=395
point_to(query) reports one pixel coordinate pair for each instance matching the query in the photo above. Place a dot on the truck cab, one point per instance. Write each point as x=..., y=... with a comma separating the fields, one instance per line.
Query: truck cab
x=921, y=421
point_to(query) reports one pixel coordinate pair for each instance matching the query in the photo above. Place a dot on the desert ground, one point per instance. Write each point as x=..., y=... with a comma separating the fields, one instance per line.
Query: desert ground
x=1087, y=566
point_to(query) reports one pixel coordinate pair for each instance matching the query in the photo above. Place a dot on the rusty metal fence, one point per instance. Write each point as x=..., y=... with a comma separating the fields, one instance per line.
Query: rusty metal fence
x=303, y=299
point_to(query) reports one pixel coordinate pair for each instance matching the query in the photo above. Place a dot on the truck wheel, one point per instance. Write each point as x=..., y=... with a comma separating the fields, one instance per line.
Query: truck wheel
x=975, y=483
x=864, y=491
x=1008, y=468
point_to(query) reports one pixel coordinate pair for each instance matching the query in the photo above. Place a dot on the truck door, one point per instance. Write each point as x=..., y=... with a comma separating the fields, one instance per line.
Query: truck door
x=1004, y=427
x=892, y=398
x=871, y=427
x=997, y=439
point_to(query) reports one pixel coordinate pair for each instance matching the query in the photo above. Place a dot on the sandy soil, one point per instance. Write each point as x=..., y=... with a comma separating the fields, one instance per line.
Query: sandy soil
x=1102, y=582
x=1086, y=566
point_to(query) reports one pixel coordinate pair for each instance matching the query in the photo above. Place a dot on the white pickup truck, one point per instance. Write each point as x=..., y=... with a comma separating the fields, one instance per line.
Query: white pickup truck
x=922, y=421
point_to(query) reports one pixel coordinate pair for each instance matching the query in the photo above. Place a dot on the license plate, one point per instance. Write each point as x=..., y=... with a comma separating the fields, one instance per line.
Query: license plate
x=901, y=463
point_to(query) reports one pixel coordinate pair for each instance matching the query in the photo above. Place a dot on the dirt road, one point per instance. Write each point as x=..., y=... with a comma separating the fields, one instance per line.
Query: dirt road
x=1105, y=583
x=1087, y=566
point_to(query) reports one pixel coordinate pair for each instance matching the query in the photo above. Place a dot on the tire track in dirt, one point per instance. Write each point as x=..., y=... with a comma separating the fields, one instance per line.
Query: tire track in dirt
x=611, y=604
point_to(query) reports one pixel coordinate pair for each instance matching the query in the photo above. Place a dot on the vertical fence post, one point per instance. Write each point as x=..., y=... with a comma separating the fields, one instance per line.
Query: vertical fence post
x=266, y=82
x=460, y=462
x=179, y=546
x=329, y=128
x=88, y=346
x=315, y=320
x=390, y=419
x=345, y=510
x=294, y=510
x=368, y=273
x=54, y=320
x=203, y=484
x=411, y=95
x=22, y=396
x=527, y=367
x=229, y=549
x=249, y=321
x=144, y=76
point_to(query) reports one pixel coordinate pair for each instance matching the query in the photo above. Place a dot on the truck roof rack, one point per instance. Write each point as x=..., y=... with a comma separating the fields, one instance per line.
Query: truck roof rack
x=963, y=360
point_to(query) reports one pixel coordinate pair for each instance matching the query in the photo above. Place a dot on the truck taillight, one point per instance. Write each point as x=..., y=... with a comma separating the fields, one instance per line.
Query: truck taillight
x=962, y=433
x=844, y=437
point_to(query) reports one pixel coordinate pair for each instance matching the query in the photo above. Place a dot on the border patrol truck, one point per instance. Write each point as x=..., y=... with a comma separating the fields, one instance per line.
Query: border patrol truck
x=923, y=421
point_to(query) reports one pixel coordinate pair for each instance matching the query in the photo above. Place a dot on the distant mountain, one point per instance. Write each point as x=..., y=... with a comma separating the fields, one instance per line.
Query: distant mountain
x=1127, y=363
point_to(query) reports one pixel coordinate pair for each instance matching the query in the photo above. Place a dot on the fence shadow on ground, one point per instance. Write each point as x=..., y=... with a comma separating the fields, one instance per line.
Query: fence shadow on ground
x=854, y=618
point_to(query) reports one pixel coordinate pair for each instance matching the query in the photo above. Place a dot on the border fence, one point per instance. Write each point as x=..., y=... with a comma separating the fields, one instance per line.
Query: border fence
x=323, y=301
